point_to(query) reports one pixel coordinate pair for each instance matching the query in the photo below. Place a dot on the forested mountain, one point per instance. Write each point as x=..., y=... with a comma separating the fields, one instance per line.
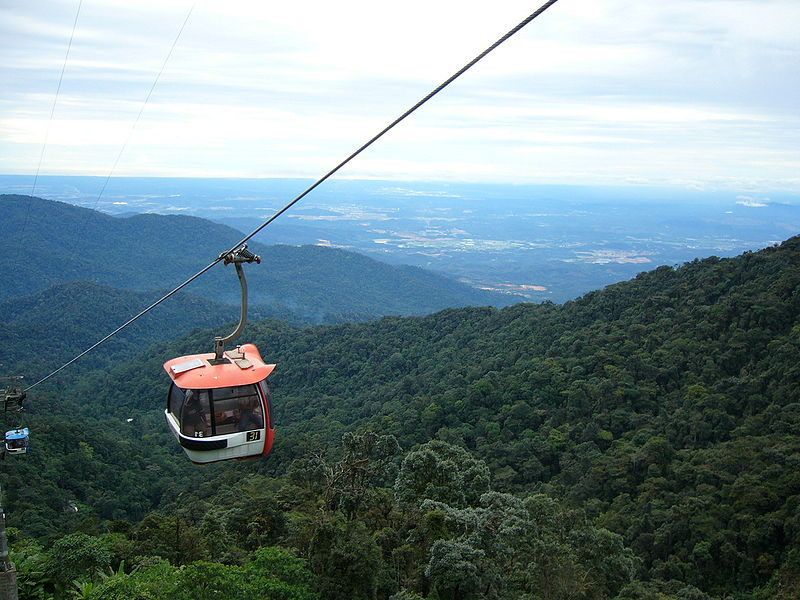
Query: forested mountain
x=48, y=243
x=64, y=320
x=641, y=442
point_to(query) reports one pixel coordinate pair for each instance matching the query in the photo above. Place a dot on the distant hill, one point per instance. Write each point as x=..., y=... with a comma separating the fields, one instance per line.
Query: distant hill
x=45, y=243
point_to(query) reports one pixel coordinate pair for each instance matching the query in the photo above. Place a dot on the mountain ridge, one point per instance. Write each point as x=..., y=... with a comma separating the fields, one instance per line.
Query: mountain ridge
x=54, y=242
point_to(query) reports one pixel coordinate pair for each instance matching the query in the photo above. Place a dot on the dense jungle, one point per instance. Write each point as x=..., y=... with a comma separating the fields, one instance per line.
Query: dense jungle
x=641, y=442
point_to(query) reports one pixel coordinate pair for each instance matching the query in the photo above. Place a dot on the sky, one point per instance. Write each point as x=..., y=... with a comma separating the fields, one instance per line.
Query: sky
x=699, y=94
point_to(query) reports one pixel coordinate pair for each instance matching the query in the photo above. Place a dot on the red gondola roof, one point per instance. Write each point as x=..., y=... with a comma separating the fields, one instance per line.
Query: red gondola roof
x=207, y=376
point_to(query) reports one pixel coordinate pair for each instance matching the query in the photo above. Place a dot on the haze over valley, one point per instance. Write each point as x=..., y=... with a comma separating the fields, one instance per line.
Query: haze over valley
x=539, y=242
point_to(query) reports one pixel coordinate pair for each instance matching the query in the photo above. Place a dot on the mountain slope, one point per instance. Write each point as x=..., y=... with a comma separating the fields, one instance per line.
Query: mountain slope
x=667, y=405
x=62, y=321
x=665, y=408
x=48, y=242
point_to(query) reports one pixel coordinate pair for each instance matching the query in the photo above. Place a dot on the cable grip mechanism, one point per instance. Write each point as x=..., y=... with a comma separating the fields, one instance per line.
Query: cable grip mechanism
x=240, y=255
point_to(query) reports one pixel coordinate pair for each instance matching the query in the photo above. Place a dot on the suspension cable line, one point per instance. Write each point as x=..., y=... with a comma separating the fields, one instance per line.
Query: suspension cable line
x=80, y=234
x=144, y=104
x=322, y=179
x=391, y=125
x=126, y=323
x=49, y=124
x=55, y=100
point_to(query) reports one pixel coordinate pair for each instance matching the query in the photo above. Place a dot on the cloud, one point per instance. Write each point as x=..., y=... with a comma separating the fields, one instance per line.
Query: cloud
x=591, y=92
x=752, y=202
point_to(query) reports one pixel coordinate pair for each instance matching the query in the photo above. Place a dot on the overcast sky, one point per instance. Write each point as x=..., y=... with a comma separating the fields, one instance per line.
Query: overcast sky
x=688, y=92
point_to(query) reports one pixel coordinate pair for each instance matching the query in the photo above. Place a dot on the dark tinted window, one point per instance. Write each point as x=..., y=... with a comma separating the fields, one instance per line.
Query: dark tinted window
x=174, y=401
x=195, y=417
x=202, y=413
x=237, y=409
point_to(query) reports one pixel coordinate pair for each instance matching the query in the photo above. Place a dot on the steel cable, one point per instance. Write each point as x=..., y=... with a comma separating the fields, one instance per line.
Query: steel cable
x=322, y=179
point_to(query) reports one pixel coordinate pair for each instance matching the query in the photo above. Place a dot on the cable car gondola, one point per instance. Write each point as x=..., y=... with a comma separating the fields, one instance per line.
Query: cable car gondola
x=17, y=441
x=219, y=404
x=220, y=409
x=12, y=396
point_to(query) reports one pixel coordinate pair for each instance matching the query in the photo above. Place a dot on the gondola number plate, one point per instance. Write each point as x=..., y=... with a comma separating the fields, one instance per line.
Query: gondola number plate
x=253, y=436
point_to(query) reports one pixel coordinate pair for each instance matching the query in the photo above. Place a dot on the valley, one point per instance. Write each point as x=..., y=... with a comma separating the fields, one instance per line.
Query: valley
x=568, y=240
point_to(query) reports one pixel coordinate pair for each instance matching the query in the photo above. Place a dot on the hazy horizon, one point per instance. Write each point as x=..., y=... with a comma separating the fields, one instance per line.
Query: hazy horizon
x=553, y=242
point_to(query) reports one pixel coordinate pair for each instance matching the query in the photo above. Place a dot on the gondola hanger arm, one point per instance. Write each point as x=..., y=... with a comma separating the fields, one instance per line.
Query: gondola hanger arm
x=238, y=257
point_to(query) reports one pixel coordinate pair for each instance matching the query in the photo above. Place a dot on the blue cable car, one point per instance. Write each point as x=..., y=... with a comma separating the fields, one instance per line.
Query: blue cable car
x=18, y=441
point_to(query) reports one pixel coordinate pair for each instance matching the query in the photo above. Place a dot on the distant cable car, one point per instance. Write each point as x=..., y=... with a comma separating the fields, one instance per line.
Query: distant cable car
x=12, y=397
x=219, y=404
x=17, y=441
